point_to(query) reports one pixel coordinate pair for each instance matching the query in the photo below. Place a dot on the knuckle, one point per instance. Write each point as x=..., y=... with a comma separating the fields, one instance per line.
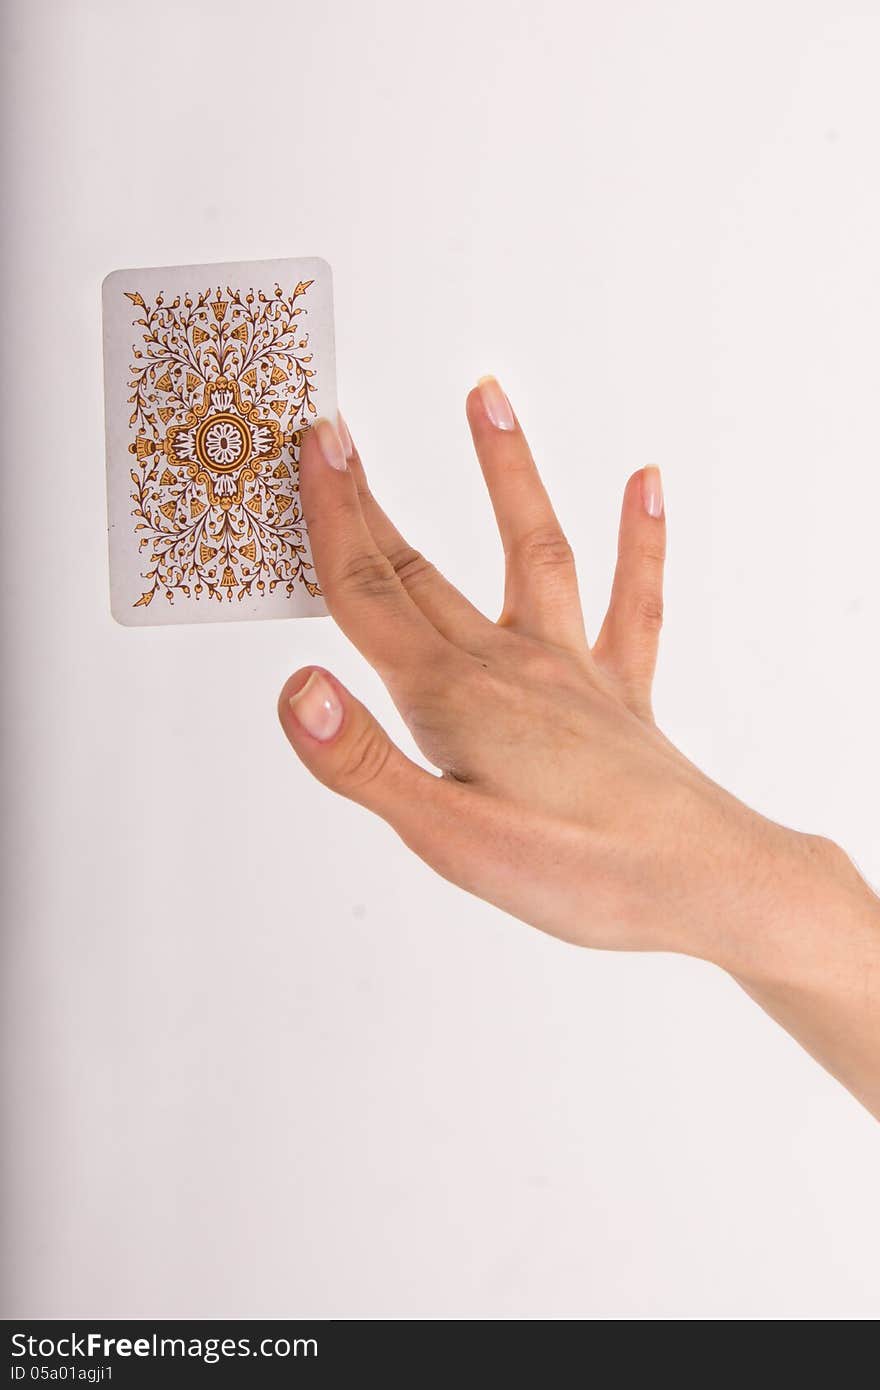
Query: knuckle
x=410, y=566
x=543, y=665
x=369, y=575
x=364, y=760
x=544, y=548
x=649, y=608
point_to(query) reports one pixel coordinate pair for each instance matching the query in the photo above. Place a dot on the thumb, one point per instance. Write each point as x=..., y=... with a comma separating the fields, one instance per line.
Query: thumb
x=470, y=839
x=345, y=748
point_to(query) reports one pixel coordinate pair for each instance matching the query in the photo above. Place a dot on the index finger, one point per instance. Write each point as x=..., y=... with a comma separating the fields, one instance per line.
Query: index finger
x=360, y=586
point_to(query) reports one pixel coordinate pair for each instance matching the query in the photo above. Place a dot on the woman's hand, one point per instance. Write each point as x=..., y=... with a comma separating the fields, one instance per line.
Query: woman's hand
x=560, y=801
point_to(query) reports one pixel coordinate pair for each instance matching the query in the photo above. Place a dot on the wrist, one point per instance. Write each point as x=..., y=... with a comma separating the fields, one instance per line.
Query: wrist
x=813, y=922
x=814, y=963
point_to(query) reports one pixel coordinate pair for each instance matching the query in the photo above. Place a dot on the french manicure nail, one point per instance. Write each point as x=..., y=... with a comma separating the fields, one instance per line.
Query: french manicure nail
x=317, y=707
x=652, y=492
x=495, y=403
x=330, y=445
x=344, y=435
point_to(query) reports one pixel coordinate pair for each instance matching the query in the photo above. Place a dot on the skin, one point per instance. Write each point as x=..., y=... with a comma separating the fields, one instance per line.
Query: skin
x=559, y=800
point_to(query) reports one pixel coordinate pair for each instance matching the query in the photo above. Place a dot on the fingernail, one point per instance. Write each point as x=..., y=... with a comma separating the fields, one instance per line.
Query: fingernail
x=317, y=707
x=330, y=445
x=495, y=403
x=344, y=435
x=652, y=492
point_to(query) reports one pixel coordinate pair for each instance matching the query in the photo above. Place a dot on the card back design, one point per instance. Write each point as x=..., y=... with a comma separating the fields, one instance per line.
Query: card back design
x=222, y=380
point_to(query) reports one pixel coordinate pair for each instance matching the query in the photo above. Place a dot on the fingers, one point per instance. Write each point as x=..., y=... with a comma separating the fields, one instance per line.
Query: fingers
x=627, y=644
x=361, y=589
x=540, y=592
x=443, y=605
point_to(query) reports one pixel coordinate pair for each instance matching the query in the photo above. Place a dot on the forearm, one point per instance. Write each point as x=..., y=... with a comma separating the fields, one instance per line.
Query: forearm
x=814, y=966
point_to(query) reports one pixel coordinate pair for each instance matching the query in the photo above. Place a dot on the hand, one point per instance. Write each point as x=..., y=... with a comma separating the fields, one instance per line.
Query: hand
x=560, y=801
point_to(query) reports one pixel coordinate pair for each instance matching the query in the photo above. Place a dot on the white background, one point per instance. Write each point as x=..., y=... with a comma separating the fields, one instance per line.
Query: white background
x=258, y=1060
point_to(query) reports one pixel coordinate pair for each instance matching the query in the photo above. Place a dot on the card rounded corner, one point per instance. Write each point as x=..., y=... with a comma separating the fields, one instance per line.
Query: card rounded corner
x=120, y=616
x=108, y=281
x=325, y=267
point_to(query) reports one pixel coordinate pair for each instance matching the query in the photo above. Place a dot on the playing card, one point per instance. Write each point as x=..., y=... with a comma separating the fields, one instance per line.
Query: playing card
x=211, y=375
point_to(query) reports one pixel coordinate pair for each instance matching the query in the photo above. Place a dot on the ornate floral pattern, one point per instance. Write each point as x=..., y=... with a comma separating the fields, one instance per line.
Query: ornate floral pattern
x=222, y=391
